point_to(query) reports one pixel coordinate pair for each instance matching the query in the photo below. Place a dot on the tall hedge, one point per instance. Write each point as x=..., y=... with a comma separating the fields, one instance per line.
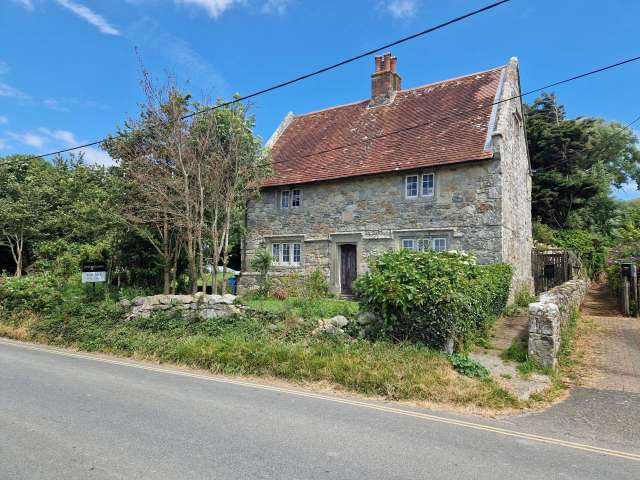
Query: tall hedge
x=430, y=297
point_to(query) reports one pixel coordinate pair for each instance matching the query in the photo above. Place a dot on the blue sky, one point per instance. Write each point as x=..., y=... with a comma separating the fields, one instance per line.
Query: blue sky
x=69, y=70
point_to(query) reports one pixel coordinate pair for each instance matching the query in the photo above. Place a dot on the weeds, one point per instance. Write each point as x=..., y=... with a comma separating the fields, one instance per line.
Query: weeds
x=263, y=344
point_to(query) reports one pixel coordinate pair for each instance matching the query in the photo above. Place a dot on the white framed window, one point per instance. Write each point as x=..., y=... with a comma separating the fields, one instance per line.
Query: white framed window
x=428, y=184
x=296, y=198
x=291, y=198
x=288, y=254
x=408, y=243
x=438, y=244
x=285, y=198
x=411, y=186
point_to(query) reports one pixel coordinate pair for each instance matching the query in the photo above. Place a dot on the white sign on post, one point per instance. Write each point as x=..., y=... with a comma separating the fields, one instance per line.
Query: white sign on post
x=94, y=273
x=94, y=277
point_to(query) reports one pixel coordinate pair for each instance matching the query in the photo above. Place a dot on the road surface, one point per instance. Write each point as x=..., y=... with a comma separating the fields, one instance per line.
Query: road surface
x=75, y=416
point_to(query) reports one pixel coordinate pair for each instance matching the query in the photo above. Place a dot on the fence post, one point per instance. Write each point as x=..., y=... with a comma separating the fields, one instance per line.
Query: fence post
x=625, y=296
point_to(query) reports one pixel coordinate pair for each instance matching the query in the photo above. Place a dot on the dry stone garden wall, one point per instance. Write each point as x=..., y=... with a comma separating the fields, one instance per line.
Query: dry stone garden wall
x=205, y=306
x=547, y=317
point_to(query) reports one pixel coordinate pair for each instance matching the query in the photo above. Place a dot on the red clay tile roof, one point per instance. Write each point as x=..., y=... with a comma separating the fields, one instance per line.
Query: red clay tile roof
x=341, y=141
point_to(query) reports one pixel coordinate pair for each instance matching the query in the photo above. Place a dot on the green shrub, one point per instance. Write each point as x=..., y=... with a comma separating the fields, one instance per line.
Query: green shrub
x=315, y=285
x=590, y=247
x=468, y=367
x=430, y=297
x=40, y=293
x=261, y=263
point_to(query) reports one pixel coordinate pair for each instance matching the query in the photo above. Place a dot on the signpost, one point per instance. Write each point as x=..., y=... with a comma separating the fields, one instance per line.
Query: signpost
x=94, y=273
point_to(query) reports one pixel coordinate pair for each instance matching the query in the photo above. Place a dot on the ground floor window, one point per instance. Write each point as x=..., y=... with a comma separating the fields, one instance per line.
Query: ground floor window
x=439, y=244
x=286, y=253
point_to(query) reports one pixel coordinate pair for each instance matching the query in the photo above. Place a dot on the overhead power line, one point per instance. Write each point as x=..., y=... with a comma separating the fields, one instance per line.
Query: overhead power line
x=602, y=146
x=307, y=75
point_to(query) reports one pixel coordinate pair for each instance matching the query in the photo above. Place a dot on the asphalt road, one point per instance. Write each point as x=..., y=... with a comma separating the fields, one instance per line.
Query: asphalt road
x=67, y=416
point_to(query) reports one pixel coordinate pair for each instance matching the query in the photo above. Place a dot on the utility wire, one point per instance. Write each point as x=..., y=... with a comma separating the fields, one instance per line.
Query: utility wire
x=603, y=146
x=308, y=75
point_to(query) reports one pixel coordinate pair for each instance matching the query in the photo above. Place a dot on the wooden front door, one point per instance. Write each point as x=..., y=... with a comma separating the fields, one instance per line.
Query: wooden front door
x=348, y=268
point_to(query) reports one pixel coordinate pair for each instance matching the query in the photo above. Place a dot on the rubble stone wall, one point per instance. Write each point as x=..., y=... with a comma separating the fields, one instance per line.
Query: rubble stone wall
x=548, y=316
x=205, y=306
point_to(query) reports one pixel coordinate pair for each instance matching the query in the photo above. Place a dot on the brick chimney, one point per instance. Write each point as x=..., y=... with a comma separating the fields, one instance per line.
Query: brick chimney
x=385, y=81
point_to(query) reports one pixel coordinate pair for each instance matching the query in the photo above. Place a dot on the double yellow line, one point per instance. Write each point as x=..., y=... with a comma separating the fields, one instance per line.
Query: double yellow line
x=346, y=401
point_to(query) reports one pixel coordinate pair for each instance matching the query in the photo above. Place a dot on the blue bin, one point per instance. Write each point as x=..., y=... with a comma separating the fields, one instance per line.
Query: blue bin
x=233, y=285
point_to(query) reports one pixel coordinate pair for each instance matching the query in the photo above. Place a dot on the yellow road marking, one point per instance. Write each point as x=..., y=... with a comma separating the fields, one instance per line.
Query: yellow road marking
x=346, y=401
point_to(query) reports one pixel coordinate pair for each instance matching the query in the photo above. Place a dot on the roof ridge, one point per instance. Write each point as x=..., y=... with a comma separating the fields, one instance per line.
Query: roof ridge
x=367, y=100
x=460, y=77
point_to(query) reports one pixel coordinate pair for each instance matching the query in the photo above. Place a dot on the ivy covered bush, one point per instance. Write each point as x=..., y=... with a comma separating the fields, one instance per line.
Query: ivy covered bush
x=38, y=292
x=431, y=297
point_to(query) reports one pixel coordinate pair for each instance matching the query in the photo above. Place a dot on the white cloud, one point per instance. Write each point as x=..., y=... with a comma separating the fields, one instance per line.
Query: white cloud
x=276, y=7
x=54, y=104
x=95, y=156
x=214, y=8
x=92, y=155
x=3, y=119
x=7, y=90
x=3, y=144
x=64, y=136
x=182, y=58
x=31, y=139
x=26, y=4
x=401, y=9
x=90, y=16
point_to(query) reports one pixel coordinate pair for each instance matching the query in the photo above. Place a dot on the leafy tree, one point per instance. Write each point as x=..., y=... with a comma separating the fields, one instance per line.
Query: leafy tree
x=24, y=190
x=575, y=163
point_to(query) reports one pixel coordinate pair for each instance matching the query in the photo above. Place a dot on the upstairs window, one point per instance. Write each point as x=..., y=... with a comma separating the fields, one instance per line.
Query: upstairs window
x=285, y=198
x=428, y=184
x=296, y=198
x=287, y=254
x=291, y=198
x=411, y=186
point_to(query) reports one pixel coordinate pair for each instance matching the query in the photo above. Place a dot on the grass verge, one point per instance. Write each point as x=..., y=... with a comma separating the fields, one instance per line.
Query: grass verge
x=259, y=346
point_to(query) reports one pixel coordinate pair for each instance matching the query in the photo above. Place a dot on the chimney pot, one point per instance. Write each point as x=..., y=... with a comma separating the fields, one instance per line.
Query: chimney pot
x=378, y=63
x=387, y=62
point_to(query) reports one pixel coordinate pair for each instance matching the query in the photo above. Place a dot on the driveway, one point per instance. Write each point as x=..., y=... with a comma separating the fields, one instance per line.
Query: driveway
x=615, y=359
x=77, y=416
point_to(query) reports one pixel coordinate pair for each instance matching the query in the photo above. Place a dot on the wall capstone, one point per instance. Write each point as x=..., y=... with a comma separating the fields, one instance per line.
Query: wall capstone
x=548, y=316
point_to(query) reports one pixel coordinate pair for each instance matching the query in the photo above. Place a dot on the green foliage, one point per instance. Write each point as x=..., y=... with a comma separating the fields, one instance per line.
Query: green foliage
x=590, y=247
x=303, y=307
x=250, y=346
x=40, y=293
x=575, y=163
x=261, y=263
x=429, y=297
x=523, y=298
x=517, y=351
x=468, y=367
x=316, y=285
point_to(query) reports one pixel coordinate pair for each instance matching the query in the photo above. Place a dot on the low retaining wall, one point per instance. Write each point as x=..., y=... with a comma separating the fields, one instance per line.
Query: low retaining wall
x=206, y=306
x=547, y=317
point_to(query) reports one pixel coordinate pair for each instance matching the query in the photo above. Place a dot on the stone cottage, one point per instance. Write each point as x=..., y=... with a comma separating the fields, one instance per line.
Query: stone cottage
x=442, y=166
